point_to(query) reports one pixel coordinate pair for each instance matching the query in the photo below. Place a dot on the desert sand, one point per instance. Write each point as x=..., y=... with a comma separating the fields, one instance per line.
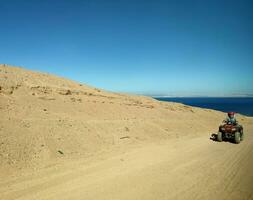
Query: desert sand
x=60, y=139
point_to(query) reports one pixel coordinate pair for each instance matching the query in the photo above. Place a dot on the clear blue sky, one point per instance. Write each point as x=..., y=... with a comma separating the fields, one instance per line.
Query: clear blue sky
x=180, y=47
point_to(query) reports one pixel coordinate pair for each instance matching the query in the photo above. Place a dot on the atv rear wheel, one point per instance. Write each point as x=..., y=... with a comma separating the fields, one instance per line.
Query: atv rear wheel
x=237, y=137
x=242, y=136
x=219, y=136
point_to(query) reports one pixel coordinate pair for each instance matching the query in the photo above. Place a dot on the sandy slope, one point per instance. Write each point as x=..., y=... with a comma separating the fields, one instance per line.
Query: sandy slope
x=63, y=140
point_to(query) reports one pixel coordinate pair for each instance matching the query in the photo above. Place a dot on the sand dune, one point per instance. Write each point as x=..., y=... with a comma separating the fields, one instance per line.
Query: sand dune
x=60, y=139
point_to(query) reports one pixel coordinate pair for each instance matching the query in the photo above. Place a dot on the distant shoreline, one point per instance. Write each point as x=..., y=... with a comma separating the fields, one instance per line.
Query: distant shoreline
x=201, y=97
x=242, y=105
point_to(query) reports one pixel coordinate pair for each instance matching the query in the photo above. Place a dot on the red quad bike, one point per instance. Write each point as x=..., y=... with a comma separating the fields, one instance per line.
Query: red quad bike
x=230, y=132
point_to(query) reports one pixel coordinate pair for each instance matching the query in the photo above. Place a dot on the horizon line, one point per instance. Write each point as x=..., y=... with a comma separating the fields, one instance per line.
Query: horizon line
x=200, y=96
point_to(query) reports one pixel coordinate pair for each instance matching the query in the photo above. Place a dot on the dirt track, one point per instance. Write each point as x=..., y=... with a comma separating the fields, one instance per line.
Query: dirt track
x=183, y=168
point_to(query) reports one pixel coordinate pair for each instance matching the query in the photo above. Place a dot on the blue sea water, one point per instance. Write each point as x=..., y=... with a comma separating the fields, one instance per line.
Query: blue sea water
x=242, y=105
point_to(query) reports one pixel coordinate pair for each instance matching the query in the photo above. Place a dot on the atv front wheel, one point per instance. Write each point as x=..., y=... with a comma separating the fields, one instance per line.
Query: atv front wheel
x=237, y=137
x=219, y=136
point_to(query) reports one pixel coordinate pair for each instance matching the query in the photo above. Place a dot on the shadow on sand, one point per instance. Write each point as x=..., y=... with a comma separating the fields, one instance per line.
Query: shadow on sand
x=214, y=138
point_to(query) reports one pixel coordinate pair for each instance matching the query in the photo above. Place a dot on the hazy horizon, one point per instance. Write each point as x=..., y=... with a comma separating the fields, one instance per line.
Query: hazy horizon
x=155, y=95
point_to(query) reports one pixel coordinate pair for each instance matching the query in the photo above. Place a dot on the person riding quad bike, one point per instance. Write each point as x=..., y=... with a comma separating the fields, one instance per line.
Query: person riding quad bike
x=230, y=129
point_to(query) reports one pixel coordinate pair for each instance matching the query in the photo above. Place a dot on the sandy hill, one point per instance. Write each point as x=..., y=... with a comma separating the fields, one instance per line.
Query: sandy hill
x=45, y=118
x=48, y=121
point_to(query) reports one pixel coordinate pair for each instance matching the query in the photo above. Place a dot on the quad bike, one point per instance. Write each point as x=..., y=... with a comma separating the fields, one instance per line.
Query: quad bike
x=230, y=132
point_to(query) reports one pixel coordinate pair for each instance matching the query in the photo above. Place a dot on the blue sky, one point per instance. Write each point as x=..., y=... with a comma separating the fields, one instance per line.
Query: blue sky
x=180, y=47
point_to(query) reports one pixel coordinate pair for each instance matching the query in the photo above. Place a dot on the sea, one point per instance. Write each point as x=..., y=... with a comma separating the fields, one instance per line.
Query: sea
x=242, y=105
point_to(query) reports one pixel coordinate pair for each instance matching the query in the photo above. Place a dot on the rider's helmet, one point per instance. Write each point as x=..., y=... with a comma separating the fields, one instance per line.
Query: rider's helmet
x=231, y=114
